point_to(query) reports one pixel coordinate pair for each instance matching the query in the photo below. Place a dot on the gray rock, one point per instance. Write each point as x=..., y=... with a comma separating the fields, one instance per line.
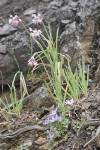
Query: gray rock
x=17, y=48
x=87, y=7
x=77, y=37
x=66, y=12
x=29, y=11
x=27, y=144
x=46, y=0
x=70, y=43
x=38, y=99
x=56, y=3
x=65, y=21
x=6, y=68
x=73, y=4
x=6, y=30
x=97, y=74
x=51, y=16
x=2, y=2
x=70, y=28
x=3, y=48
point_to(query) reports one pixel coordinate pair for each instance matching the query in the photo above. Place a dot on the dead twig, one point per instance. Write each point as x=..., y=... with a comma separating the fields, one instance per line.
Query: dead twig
x=93, y=122
x=21, y=131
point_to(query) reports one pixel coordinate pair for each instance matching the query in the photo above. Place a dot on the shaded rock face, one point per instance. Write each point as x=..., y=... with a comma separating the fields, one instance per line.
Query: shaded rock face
x=38, y=99
x=77, y=20
x=14, y=53
x=79, y=32
x=96, y=53
x=2, y=2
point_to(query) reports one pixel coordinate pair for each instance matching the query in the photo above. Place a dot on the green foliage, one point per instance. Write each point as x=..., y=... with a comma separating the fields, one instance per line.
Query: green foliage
x=76, y=82
x=15, y=105
x=78, y=124
x=5, y=111
x=72, y=81
x=83, y=78
x=91, y=128
x=20, y=147
x=55, y=67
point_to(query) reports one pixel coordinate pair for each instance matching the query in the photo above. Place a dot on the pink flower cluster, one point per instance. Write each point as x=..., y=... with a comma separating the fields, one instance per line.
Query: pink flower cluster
x=32, y=62
x=14, y=21
x=37, y=19
x=35, y=33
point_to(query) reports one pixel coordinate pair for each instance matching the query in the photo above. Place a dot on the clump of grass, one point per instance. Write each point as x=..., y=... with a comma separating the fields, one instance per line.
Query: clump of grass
x=55, y=66
x=5, y=110
x=18, y=103
x=75, y=82
x=15, y=104
x=83, y=77
x=72, y=81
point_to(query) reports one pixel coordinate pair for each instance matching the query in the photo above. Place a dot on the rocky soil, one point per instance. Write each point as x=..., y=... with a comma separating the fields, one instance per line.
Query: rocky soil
x=79, y=22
